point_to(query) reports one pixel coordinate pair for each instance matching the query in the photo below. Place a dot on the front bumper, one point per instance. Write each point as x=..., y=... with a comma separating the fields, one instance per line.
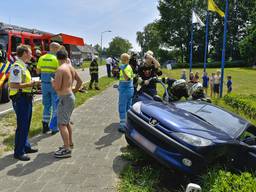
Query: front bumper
x=162, y=147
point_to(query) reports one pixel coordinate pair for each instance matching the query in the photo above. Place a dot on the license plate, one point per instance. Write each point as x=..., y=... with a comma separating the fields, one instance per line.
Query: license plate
x=143, y=141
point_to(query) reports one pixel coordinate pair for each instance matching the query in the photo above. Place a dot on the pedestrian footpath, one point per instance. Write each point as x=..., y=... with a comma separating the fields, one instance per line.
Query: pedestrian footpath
x=95, y=164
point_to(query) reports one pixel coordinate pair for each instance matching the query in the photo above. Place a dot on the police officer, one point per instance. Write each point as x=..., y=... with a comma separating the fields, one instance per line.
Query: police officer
x=21, y=94
x=47, y=66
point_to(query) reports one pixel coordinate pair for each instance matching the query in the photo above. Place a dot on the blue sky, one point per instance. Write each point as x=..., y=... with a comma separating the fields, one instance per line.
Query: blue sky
x=84, y=18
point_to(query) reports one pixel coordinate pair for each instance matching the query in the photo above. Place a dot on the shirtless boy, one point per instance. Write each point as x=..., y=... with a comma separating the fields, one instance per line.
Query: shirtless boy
x=64, y=78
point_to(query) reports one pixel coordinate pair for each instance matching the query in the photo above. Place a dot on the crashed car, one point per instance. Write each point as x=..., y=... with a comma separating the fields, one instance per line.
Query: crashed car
x=189, y=135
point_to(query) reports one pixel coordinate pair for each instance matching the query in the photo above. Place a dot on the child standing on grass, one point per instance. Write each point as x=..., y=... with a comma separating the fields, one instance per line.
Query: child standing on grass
x=211, y=79
x=191, y=76
x=216, y=85
x=229, y=84
x=183, y=74
x=196, y=78
x=205, y=82
x=126, y=90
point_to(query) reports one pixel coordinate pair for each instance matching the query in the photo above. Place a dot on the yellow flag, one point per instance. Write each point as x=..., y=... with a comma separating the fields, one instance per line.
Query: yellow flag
x=213, y=7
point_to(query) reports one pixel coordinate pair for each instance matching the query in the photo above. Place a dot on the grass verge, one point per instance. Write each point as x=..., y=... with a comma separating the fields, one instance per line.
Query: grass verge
x=8, y=122
x=145, y=175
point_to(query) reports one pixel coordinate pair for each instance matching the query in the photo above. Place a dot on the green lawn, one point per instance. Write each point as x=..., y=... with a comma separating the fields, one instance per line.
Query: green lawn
x=145, y=175
x=8, y=122
x=244, y=79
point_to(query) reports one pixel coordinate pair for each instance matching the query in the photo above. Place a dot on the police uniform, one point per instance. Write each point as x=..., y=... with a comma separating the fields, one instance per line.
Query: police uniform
x=22, y=105
x=48, y=65
x=94, y=72
x=126, y=91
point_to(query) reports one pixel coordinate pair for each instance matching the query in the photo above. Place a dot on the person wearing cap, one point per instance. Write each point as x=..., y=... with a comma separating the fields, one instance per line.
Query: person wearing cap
x=94, y=72
x=20, y=84
x=126, y=90
x=47, y=66
x=148, y=70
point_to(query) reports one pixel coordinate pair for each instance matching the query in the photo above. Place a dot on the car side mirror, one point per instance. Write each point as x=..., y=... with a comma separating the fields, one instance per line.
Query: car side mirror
x=157, y=98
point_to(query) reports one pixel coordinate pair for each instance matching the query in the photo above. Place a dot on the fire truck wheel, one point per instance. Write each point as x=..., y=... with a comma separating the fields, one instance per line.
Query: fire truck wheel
x=5, y=97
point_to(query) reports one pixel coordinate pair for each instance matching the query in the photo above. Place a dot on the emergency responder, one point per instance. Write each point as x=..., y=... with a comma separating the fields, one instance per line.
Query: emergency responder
x=94, y=72
x=38, y=54
x=47, y=66
x=148, y=70
x=21, y=94
x=135, y=66
x=125, y=89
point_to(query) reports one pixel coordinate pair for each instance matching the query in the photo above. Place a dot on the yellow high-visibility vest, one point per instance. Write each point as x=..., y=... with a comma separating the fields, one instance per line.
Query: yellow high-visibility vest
x=26, y=78
x=128, y=71
x=48, y=63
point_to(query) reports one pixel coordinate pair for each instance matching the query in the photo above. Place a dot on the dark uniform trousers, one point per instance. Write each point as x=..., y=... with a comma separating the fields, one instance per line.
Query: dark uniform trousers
x=94, y=77
x=22, y=105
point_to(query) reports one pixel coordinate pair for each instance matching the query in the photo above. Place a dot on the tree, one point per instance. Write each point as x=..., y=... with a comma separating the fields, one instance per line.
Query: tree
x=175, y=24
x=175, y=27
x=118, y=46
x=149, y=39
x=98, y=48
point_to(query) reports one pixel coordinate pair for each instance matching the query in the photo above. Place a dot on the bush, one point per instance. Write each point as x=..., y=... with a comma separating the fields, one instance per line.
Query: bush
x=247, y=104
x=223, y=181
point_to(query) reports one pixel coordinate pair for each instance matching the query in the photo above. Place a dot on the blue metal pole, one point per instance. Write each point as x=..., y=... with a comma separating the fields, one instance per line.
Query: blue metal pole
x=206, y=40
x=191, y=48
x=224, y=49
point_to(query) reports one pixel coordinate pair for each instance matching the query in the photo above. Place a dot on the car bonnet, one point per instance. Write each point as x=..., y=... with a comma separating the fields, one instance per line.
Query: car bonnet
x=195, y=118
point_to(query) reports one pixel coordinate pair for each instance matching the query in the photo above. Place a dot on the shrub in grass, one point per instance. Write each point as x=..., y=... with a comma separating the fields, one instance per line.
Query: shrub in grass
x=218, y=180
x=247, y=104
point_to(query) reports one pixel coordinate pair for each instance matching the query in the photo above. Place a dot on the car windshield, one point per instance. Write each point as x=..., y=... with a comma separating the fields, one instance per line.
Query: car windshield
x=216, y=116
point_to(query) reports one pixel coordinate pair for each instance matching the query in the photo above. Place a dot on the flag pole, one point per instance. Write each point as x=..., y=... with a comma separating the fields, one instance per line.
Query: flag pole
x=191, y=46
x=206, y=40
x=224, y=49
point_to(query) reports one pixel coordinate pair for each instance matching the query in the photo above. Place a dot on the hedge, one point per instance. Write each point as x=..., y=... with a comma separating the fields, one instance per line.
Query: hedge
x=247, y=104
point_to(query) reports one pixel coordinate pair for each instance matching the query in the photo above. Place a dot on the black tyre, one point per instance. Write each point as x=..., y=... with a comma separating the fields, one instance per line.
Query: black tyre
x=5, y=96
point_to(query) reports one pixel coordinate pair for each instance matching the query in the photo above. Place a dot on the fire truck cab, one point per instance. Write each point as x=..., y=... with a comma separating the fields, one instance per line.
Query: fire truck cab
x=11, y=37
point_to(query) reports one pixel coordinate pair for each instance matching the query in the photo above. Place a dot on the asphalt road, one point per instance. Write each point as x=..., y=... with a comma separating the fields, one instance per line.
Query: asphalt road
x=7, y=107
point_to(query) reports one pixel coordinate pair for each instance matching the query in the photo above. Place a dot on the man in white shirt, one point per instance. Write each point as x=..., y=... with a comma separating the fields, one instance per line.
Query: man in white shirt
x=109, y=62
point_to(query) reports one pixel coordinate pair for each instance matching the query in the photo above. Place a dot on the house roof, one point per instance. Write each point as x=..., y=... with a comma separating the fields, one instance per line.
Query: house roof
x=87, y=49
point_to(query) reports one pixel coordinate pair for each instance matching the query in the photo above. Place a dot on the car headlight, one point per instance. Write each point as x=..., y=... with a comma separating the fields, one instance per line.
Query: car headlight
x=137, y=107
x=193, y=140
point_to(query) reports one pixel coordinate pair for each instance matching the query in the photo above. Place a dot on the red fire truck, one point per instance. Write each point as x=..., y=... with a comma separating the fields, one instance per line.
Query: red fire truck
x=12, y=36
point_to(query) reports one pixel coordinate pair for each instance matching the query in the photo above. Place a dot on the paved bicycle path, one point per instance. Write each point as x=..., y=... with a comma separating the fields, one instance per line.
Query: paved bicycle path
x=95, y=163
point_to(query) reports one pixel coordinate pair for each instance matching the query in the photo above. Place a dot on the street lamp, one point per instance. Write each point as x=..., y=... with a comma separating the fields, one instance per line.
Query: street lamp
x=108, y=31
